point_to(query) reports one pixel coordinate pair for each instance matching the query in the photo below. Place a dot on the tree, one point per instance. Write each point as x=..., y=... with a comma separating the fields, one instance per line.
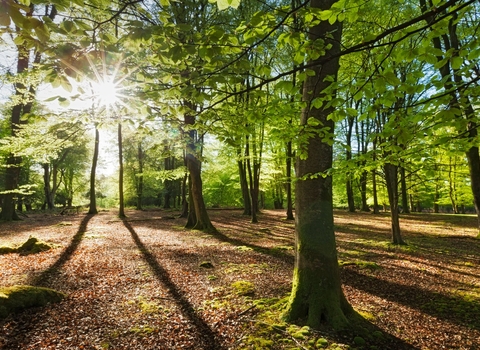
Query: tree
x=316, y=292
x=24, y=93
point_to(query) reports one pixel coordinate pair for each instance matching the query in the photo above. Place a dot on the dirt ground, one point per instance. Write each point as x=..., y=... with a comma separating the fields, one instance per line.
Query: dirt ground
x=147, y=283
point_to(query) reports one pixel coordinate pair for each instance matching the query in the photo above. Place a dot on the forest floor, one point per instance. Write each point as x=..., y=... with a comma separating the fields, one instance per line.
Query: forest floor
x=147, y=283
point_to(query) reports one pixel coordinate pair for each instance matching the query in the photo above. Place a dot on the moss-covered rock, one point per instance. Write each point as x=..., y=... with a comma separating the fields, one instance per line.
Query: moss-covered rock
x=17, y=298
x=31, y=246
x=7, y=250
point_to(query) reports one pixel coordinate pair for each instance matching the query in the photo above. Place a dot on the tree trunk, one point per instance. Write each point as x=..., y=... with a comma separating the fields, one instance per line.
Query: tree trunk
x=376, y=209
x=22, y=93
x=316, y=291
x=253, y=194
x=435, y=200
x=403, y=182
x=191, y=217
x=202, y=220
x=451, y=78
x=348, y=155
x=140, y=177
x=242, y=171
x=184, y=213
x=121, y=209
x=289, y=182
x=46, y=188
x=363, y=191
x=93, y=198
x=12, y=171
x=391, y=179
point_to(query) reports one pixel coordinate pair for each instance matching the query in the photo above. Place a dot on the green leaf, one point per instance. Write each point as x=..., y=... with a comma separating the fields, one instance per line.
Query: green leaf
x=4, y=17
x=42, y=33
x=324, y=15
x=16, y=16
x=285, y=86
x=225, y=4
x=456, y=62
x=317, y=103
x=352, y=112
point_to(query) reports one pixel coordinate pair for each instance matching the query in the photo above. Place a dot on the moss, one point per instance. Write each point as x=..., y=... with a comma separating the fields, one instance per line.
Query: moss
x=366, y=315
x=143, y=330
x=17, y=298
x=378, y=334
x=31, y=246
x=360, y=263
x=7, y=250
x=321, y=343
x=359, y=341
x=260, y=343
x=243, y=288
x=243, y=248
x=206, y=265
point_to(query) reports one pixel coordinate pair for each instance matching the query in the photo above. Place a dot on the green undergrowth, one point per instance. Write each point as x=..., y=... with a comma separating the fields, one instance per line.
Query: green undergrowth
x=18, y=298
x=270, y=331
x=31, y=246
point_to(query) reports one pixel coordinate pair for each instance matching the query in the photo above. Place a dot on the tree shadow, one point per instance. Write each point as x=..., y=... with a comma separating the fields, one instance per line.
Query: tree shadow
x=43, y=279
x=455, y=309
x=208, y=340
x=276, y=253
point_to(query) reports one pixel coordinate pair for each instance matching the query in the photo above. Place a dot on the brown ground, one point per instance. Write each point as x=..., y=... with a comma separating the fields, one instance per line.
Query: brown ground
x=138, y=284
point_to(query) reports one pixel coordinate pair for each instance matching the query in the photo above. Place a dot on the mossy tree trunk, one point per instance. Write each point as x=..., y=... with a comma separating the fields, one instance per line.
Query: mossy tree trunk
x=316, y=292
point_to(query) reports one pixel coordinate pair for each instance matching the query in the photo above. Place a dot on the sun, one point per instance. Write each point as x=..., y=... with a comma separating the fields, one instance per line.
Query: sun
x=107, y=92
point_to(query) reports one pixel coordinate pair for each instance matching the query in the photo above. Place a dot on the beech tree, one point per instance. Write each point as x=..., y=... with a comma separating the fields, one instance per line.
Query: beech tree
x=316, y=292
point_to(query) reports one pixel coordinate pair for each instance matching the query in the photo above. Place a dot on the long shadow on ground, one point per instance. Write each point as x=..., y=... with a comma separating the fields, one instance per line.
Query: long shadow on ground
x=276, y=253
x=454, y=309
x=45, y=277
x=207, y=339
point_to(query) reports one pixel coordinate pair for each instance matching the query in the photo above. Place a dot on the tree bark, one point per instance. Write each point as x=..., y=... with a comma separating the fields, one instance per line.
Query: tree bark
x=316, y=291
x=141, y=160
x=289, y=182
x=391, y=179
x=48, y=203
x=348, y=155
x=12, y=171
x=121, y=209
x=403, y=182
x=247, y=204
x=93, y=197
x=202, y=220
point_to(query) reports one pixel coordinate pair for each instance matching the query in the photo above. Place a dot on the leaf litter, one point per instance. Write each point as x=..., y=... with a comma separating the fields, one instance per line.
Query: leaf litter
x=140, y=284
